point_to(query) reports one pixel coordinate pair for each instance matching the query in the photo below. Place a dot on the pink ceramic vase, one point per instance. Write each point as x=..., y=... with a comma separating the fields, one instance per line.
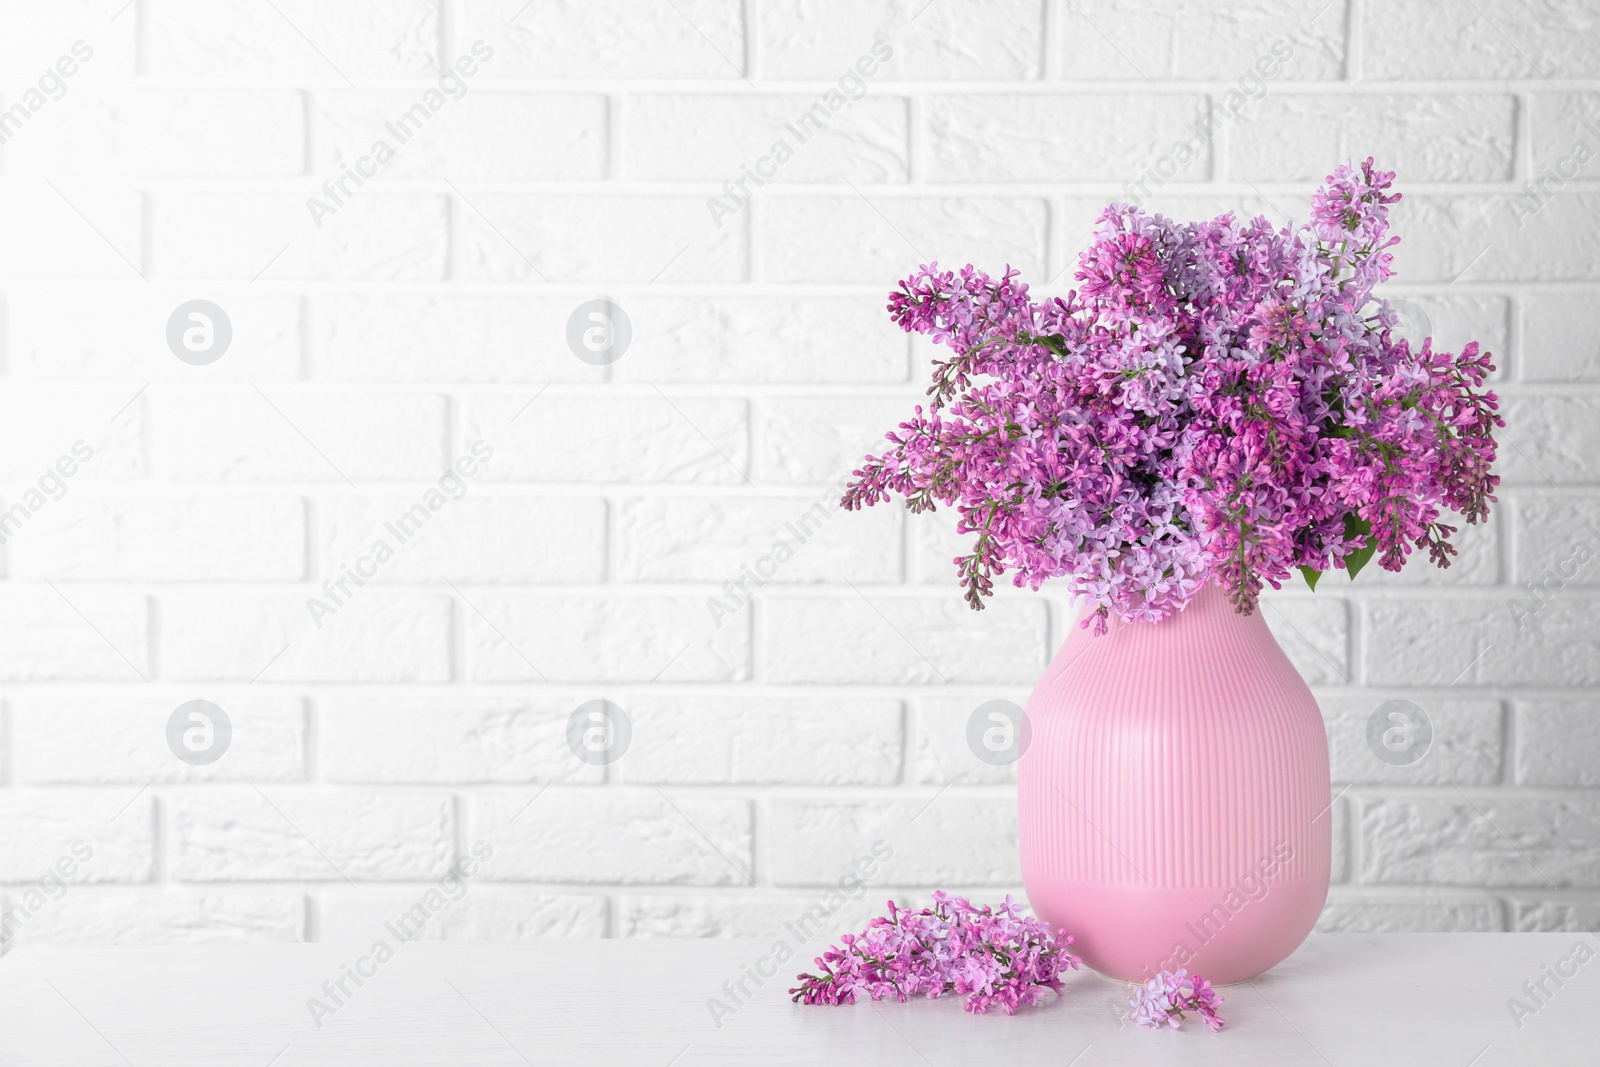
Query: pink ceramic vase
x=1173, y=800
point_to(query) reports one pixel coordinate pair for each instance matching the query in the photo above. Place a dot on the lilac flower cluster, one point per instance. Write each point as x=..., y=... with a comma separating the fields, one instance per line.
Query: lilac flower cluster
x=1163, y=1000
x=996, y=956
x=1217, y=400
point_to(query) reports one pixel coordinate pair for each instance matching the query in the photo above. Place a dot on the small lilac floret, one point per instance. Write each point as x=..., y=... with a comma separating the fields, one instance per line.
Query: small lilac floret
x=1164, y=1000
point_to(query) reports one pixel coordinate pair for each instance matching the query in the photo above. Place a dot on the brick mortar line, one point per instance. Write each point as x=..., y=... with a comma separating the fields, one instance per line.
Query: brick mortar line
x=734, y=88
x=315, y=291
x=466, y=692
x=293, y=188
x=293, y=887
x=645, y=788
x=1290, y=595
x=508, y=392
x=922, y=702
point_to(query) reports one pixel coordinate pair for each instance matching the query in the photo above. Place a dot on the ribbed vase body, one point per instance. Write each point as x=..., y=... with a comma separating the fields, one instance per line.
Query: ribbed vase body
x=1173, y=802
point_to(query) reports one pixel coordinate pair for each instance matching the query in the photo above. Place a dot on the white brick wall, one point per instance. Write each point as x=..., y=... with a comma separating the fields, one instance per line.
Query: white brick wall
x=771, y=743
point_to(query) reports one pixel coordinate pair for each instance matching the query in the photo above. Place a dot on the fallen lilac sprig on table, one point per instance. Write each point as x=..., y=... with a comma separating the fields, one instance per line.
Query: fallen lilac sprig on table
x=1163, y=1000
x=1000, y=958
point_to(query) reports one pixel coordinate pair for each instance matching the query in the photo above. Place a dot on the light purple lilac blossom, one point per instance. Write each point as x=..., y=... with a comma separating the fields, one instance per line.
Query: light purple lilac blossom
x=1217, y=400
x=1163, y=1000
x=996, y=956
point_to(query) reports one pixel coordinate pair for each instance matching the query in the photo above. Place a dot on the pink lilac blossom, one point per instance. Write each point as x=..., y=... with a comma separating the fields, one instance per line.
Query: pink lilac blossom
x=997, y=957
x=1216, y=400
x=1163, y=1000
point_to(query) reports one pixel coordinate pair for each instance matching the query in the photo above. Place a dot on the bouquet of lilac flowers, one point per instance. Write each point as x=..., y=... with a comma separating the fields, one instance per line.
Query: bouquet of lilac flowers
x=996, y=956
x=1217, y=400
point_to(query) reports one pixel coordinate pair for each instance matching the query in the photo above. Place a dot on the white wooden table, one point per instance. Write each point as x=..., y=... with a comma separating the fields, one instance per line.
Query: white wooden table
x=1354, y=999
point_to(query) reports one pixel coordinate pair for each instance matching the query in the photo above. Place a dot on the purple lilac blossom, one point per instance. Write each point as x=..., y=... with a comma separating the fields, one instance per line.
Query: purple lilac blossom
x=1216, y=400
x=996, y=957
x=1163, y=1000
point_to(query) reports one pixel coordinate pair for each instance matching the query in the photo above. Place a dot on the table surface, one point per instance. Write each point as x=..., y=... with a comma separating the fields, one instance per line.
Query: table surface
x=1358, y=999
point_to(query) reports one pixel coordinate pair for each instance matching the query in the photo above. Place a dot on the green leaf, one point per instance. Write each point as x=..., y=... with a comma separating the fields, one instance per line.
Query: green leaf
x=1358, y=559
x=1055, y=343
x=1356, y=526
x=1310, y=574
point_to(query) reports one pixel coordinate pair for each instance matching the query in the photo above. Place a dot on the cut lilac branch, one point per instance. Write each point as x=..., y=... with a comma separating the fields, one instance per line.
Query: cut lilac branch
x=996, y=957
x=1164, y=1000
